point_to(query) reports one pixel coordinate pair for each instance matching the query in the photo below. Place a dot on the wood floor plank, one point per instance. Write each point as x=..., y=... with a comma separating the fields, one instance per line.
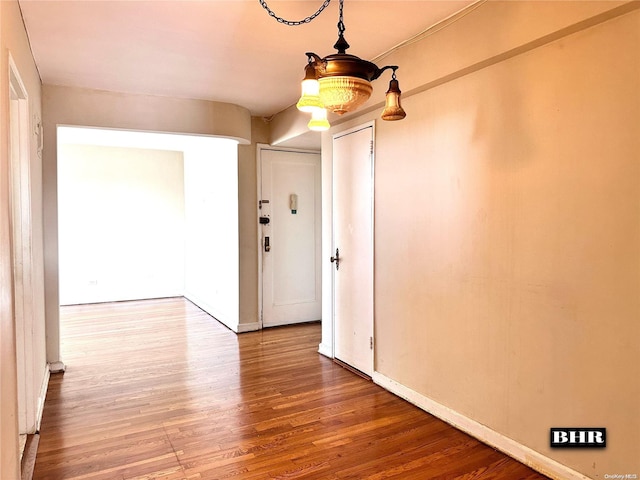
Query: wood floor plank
x=160, y=390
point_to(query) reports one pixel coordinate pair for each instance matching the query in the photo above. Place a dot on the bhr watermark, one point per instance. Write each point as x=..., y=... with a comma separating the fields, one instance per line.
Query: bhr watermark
x=578, y=437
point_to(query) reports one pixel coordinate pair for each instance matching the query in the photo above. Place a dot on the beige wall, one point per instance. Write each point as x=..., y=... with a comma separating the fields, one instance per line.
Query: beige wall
x=515, y=284
x=507, y=225
x=8, y=385
x=248, y=212
x=13, y=40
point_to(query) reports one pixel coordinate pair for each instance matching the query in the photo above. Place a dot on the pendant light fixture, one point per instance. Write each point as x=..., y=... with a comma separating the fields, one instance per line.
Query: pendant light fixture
x=392, y=108
x=340, y=82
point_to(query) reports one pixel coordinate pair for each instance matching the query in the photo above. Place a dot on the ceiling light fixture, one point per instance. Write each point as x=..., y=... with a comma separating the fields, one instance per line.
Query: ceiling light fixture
x=340, y=82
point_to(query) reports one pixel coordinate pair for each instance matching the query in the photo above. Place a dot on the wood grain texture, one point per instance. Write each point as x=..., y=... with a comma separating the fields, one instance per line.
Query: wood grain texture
x=160, y=390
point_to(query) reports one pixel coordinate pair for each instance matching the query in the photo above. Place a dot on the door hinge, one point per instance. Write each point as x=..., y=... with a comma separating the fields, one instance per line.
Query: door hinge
x=371, y=343
x=371, y=144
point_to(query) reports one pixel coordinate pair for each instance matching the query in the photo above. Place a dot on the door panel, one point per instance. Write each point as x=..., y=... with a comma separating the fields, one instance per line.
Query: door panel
x=291, y=275
x=353, y=237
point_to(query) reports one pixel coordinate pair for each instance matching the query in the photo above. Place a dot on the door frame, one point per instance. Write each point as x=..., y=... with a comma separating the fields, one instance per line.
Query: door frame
x=261, y=147
x=329, y=300
x=29, y=410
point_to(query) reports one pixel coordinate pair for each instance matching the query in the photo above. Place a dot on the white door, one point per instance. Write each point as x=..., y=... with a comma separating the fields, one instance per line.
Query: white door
x=290, y=200
x=353, y=246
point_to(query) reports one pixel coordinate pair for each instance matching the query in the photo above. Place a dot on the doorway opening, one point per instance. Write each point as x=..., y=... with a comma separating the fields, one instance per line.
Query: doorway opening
x=148, y=215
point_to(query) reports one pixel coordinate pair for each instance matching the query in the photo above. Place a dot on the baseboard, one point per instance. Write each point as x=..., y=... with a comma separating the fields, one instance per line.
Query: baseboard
x=28, y=460
x=248, y=327
x=57, y=367
x=208, y=308
x=325, y=350
x=42, y=396
x=23, y=445
x=523, y=454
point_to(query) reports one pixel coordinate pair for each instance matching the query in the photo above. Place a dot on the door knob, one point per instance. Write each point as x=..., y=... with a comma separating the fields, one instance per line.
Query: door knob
x=336, y=259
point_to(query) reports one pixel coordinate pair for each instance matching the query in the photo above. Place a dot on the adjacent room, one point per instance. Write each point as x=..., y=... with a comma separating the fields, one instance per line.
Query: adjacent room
x=146, y=215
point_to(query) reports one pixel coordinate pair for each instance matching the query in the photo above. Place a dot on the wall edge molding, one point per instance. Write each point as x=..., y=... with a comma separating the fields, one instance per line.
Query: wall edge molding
x=326, y=350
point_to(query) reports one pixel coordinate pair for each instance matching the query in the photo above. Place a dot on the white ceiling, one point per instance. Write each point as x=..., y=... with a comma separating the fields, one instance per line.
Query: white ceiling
x=228, y=51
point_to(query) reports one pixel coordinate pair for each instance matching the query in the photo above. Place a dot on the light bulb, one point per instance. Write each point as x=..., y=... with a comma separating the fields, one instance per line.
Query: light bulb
x=319, y=122
x=310, y=98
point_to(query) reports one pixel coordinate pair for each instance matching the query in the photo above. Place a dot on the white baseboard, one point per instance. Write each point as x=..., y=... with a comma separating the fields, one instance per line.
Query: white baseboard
x=57, y=367
x=523, y=454
x=325, y=350
x=23, y=444
x=207, y=307
x=42, y=396
x=248, y=327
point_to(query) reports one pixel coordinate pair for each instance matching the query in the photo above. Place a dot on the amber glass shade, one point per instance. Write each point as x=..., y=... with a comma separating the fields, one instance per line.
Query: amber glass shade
x=318, y=120
x=341, y=94
x=392, y=109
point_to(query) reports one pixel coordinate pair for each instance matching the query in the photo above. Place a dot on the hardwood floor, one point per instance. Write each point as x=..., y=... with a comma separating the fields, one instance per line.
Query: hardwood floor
x=160, y=390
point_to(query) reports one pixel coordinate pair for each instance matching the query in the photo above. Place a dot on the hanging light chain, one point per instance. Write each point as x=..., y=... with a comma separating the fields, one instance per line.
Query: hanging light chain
x=341, y=27
x=294, y=23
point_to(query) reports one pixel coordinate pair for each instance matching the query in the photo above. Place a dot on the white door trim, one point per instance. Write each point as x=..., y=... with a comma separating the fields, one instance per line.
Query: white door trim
x=22, y=252
x=261, y=147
